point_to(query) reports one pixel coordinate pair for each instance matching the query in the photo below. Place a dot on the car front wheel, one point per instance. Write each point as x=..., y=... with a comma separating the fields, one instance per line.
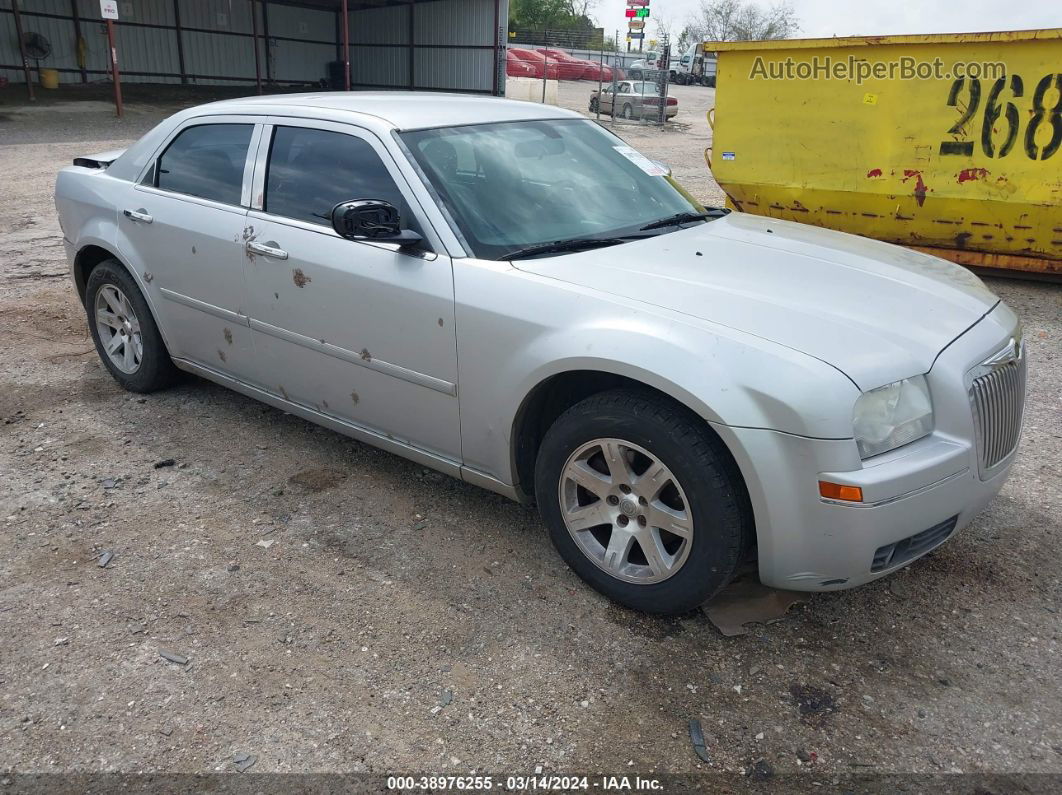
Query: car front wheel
x=124, y=332
x=642, y=501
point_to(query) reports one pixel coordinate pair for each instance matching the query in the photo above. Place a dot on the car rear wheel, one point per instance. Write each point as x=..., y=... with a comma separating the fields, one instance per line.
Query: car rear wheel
x=124, y=332
x=642, y=501
x=628, y=111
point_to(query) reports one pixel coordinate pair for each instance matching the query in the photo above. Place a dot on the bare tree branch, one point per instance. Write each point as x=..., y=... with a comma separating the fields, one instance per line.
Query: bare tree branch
x=735, y=20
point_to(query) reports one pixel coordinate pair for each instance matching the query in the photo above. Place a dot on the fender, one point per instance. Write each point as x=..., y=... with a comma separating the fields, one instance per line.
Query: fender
x=83, y=206
x=516, y=330
x=86, y=240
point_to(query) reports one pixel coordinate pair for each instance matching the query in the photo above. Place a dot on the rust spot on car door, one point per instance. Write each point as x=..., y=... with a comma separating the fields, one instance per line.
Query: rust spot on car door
x=300, y=278
x=228, y=336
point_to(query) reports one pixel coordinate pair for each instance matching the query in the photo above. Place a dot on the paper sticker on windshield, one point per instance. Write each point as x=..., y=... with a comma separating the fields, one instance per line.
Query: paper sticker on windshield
x=643, y=162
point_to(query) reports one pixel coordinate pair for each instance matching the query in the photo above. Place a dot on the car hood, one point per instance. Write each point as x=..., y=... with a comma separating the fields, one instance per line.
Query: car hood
x=875, y=311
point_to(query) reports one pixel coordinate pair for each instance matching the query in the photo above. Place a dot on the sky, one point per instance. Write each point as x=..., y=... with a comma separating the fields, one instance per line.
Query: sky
x=820, y=18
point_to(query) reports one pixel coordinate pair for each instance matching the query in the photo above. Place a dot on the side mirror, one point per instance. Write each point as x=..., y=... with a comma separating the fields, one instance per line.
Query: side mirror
x=371, y=219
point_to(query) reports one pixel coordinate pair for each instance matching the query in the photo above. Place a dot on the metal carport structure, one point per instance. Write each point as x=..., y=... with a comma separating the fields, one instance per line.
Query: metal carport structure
x=450, y=45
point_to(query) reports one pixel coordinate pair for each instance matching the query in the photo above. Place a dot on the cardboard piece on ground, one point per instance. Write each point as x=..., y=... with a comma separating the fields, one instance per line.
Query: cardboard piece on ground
x=747, y=601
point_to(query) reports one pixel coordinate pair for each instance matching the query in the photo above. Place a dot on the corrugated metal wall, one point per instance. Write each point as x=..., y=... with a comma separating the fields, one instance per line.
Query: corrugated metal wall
x=453, y=45
x=379, y=47
x=458, y=39
x=301, y=60
x=452, y=42
x=146, y=39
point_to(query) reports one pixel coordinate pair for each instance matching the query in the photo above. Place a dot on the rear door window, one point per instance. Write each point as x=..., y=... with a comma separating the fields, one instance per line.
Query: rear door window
x=311, y=171
x=206, y=161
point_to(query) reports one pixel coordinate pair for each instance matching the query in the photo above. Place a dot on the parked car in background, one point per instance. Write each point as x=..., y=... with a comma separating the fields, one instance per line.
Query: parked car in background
x=508, y=293
x=514, y=67
x=632, y=100
x=603, y=72
x=537, y=61
x=570, y=67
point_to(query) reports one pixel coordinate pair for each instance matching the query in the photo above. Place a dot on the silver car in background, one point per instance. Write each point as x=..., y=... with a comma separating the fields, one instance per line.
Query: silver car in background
x=633, y=100
x=510, y=294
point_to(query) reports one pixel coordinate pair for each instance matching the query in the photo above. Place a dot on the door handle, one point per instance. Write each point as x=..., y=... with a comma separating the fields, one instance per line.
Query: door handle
x=138, y=215
x=267, y=249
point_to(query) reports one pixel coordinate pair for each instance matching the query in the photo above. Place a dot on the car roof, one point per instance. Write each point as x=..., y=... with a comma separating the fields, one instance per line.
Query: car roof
x=402, y=110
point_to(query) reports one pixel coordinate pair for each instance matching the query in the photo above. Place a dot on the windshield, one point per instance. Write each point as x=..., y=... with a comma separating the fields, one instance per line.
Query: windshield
x=515, y=185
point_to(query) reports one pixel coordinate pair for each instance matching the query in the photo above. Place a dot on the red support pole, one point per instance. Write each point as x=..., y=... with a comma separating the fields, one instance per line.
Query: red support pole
x=346, y=47
x=114, y=68
x=22, y=51
x=254, y=38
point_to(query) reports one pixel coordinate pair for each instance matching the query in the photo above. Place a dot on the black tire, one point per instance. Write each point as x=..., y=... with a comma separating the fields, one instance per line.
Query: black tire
x=721, y=514
x=156, y=370
x=628, y=111
x=593, y=106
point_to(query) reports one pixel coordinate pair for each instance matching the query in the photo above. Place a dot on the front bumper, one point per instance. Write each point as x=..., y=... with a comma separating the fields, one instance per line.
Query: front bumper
x=914, y=497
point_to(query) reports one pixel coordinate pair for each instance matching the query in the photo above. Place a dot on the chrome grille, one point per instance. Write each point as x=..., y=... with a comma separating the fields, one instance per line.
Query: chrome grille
x=998, y=398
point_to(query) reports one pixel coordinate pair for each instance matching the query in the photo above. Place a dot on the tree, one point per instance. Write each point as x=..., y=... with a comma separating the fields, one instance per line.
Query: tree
x=580, y=8
x=687, y=37
x=551, y=14
x=539, y=14
x=665, y=26
x=735, y=20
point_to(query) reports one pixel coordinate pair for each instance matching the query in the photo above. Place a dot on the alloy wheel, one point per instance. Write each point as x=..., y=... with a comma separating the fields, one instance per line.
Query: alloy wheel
x=119, y=329
x=626, y=511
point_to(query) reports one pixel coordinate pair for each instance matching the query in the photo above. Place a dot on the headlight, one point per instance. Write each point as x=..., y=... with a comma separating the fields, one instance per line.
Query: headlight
x=891, y=416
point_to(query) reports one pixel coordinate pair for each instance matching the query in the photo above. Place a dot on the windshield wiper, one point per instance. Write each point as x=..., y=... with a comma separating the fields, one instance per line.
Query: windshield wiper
x=684, y=218
x=559, y=246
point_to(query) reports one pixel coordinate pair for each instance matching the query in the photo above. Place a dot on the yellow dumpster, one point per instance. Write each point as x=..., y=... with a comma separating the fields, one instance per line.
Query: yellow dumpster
x=947, y=143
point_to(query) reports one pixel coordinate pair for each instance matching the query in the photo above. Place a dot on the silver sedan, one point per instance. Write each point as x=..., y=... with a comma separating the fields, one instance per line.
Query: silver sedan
x=509, y=293
x=633, y=100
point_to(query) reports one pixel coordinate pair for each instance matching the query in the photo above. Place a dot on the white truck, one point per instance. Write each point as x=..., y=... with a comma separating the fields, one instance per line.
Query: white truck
x=645, y=68
x=695, y=67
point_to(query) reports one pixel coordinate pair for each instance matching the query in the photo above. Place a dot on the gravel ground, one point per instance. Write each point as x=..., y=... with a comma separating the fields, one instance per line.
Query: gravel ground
x=341, y=609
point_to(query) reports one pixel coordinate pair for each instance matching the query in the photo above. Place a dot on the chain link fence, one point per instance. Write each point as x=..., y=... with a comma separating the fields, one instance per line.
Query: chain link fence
x=616, y=88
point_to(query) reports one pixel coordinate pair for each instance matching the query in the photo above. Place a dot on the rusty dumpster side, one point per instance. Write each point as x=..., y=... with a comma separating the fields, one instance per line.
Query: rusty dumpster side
x=948, y=143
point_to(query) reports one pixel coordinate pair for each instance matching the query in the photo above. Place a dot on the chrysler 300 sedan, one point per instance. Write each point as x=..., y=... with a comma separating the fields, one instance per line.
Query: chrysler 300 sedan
x=510, y=294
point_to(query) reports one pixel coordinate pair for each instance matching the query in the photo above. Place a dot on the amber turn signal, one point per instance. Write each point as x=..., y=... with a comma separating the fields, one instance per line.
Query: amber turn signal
x=838, y=491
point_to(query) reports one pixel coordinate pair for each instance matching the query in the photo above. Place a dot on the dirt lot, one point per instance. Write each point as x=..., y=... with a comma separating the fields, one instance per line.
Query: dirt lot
x=403, y=621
